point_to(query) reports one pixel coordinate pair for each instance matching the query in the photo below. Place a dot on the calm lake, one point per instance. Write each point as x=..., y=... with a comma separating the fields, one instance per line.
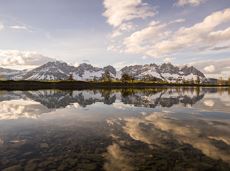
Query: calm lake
x=115, y=130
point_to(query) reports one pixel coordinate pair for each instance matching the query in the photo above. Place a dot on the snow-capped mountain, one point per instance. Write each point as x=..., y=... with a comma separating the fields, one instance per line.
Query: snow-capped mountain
x=166, y=72
x=7, y=74
x=88, y=72
x=50, y=71
x=62, y=71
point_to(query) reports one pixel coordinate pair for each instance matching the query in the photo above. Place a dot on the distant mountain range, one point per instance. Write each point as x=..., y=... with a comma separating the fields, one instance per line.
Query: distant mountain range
x=85, y=72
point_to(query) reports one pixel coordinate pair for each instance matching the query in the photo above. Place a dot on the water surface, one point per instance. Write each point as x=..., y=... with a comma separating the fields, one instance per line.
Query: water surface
x=115, y=130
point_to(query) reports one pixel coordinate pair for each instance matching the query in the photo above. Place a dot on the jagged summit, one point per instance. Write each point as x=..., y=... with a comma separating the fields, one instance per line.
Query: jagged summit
x=50, y=71
x=166, y=71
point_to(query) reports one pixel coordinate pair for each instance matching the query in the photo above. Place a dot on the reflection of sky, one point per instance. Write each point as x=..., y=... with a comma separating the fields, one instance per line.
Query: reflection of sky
x=16, y=109
x=199, y=133
x=96, y=105
x=202, y=121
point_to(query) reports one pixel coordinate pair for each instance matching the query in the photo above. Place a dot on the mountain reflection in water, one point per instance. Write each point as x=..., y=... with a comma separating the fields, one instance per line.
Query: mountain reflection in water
x=115, y=130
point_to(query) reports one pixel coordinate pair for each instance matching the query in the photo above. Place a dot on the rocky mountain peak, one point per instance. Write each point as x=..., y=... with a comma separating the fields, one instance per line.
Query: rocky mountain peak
x=57, y=70
x=87, y=67
x=168, y=68
x=190, y=69
x=110, y=69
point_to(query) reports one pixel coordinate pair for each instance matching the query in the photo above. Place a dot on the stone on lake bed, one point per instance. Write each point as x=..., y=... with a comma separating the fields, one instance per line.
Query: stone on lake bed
x=44, y=145
x=13, y=168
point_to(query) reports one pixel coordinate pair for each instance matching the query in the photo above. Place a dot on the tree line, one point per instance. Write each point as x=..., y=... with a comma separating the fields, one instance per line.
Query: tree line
x=126, y=78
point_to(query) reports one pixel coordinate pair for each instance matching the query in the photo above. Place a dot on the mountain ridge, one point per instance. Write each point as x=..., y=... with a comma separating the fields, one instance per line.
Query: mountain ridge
x=58, y=70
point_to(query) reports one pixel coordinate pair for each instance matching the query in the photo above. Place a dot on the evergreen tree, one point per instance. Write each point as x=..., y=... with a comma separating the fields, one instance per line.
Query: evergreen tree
x=220, y=81
x=198, y=80
x=71, y=77
x=94, y=79
x=106, y=76
x=192, y=81
x=184, y=81
x=125, y=78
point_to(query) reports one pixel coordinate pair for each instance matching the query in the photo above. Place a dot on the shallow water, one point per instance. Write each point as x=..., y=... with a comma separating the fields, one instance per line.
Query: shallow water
x=113, y=130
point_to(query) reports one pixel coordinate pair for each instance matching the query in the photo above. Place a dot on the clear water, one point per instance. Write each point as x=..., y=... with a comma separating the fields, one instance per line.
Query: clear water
x=115, y=130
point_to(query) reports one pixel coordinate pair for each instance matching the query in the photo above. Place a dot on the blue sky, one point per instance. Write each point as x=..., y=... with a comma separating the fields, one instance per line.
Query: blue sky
x=117, y=32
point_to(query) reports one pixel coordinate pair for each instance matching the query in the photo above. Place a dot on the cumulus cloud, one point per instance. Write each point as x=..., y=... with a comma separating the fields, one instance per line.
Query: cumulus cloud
x=22, y=59
x=210, y=68
x=197, y=35
x=125, y=10
x=139, y=41
x=189, y=2
x=214, y=68
x=157, y=39
x=122, y=15
x=123, y=28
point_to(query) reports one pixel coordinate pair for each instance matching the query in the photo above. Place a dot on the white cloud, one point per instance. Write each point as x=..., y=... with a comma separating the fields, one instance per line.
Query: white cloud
x=219, y=36
x=180, y=20
x=22, y=59
x=125, y=10
x=140, y=41
x=210, y=68
x=157, y=38
x=214, y=68
x=190, y=2
x=19, y=27
x=126, y=27
x=200, y=33
x=122, y=15
x=168, y=60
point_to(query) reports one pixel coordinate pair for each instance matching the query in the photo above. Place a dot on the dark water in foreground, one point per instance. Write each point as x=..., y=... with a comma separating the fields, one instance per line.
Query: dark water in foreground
x=115, y=130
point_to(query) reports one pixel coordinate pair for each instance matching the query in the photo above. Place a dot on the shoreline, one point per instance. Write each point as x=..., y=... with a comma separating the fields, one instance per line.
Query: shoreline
x=81, y=85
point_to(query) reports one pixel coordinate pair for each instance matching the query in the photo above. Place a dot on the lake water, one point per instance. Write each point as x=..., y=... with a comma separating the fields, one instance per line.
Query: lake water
x=115, y=130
